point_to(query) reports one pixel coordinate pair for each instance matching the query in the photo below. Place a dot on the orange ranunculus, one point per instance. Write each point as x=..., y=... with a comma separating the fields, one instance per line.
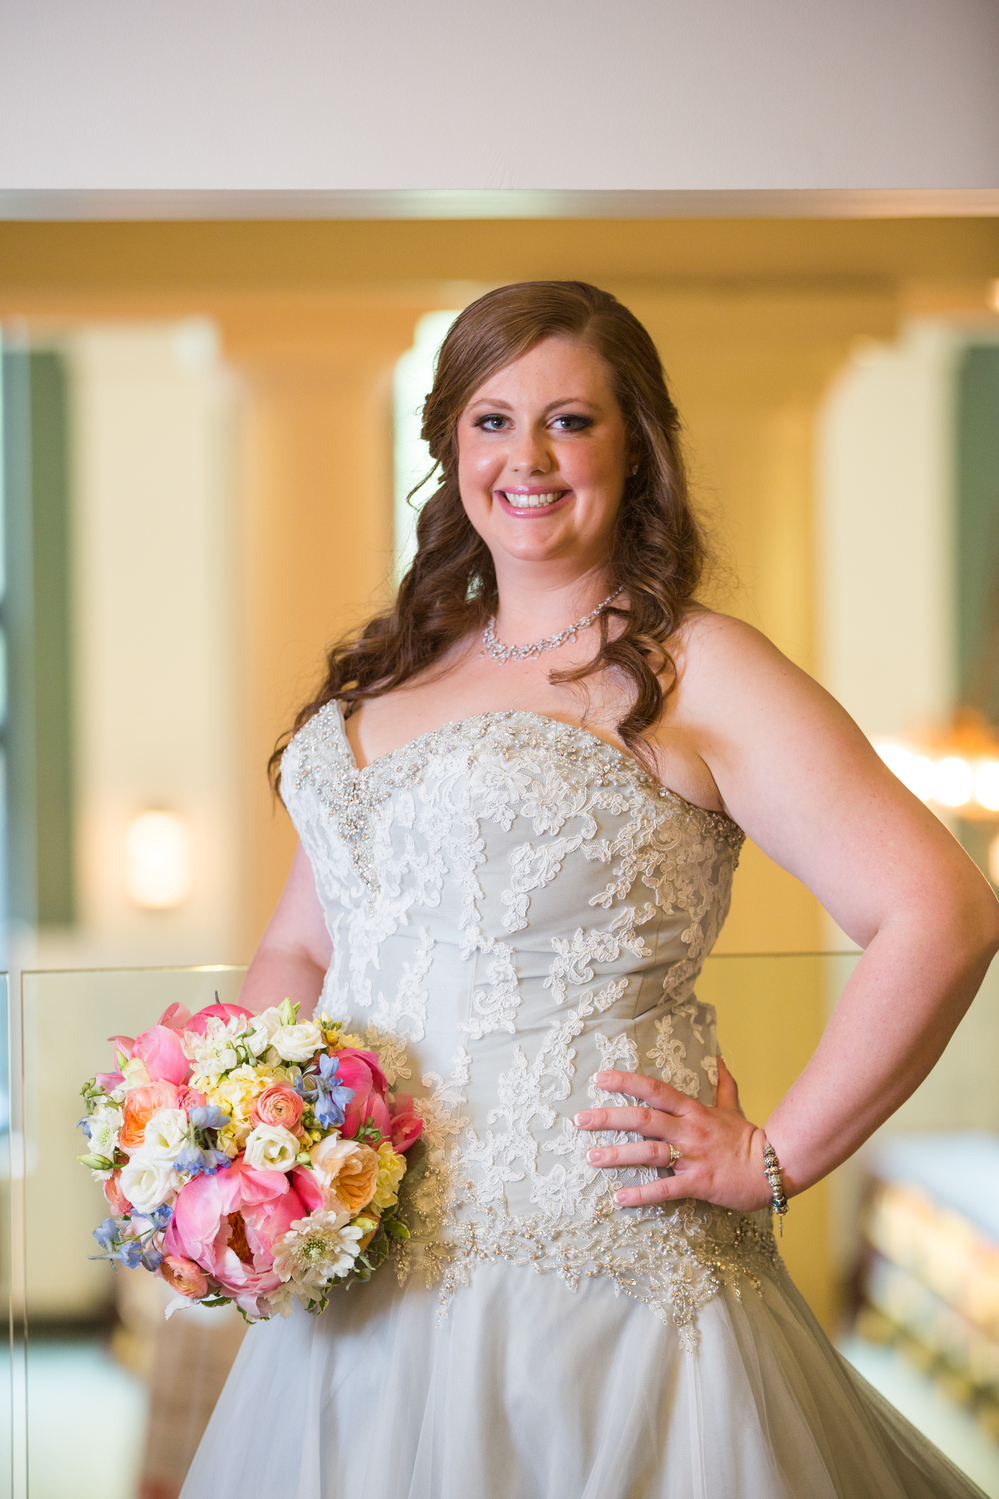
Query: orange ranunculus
x=140, y=1106
x=184, y=1276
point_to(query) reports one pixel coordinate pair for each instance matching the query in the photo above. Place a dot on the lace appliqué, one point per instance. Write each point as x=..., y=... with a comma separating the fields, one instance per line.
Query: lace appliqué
x=398, y=850
x=674, y=1262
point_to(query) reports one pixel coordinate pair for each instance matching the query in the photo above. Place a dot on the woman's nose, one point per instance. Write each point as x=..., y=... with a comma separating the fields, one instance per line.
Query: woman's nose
x=531, y=453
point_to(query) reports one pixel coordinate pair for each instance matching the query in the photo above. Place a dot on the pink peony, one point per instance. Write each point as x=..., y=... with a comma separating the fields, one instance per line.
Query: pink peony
x=175, y=1018
x=228, y=1224
x=368, y=1104
x=111, y=1080
x=277, y=1105
x=162, y=1050
x=199, y=1023
x=378, y=1079
x=406, y=1126
x=184, y=1276
x=190, y=1098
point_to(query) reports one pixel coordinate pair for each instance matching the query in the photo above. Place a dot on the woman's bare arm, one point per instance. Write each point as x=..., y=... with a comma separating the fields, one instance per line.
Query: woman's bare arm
x=798, y=775
x=295, y=950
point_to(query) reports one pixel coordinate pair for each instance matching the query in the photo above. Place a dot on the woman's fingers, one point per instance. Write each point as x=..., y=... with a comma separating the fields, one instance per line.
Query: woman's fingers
x=639, y=1153
x=649, y=1089
x=728, y=1088
x=654, y=1122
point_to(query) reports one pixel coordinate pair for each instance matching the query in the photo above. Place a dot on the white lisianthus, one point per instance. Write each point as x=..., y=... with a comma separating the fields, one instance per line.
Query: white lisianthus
x=297, y=1043
x=271, y=1147
x=264, y=1026
x=317, y=1248
x=103, y=1127
x=165, y=1135
x=148, y=1183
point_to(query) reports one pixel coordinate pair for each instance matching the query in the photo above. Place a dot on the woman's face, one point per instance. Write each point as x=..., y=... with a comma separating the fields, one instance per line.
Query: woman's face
x=543, y=457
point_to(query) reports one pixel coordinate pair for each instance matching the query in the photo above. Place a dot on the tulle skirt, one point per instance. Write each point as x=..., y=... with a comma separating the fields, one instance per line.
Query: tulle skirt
x=526, y=1389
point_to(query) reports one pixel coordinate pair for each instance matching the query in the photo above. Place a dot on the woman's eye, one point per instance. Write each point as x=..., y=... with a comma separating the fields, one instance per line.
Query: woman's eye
x=572, y=423
x=492, y=422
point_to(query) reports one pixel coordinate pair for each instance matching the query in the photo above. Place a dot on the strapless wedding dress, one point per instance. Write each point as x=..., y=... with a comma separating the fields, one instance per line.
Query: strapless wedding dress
x=515, y=905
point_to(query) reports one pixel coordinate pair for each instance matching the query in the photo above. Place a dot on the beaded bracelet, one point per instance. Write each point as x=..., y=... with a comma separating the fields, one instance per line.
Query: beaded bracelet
x=771, y=1166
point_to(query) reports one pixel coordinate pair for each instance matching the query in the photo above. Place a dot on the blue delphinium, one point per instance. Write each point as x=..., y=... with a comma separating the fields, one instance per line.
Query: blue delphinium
x=332, y=1097
x=209, y=1117
x=152, y=1259
x=130, y=1254
x=106, y=1234
x=194, y=1161
x=161, y=1216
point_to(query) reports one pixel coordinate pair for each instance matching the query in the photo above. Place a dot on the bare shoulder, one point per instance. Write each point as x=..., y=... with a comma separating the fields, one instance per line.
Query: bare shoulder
x=722, y=661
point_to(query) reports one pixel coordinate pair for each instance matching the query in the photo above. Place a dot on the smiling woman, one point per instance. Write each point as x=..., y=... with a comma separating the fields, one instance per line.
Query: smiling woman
x=608, y=442
x=519, y=871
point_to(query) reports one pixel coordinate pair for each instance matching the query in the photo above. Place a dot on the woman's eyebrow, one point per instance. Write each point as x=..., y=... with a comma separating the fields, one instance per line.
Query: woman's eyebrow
x=560, y=401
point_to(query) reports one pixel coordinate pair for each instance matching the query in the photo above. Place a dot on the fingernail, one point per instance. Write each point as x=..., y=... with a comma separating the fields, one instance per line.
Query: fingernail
x=596, y=1156
x=602, y=1077
x=583, y=1118
x=621, y=1198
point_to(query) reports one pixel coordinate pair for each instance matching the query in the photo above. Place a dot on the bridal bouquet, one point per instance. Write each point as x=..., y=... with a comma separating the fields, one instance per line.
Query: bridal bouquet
x=248, y=1158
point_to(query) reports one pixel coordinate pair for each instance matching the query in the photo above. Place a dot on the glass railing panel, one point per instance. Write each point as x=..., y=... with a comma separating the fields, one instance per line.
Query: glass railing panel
x=91, y=1340
x=7, y=1356
x=100, y=1356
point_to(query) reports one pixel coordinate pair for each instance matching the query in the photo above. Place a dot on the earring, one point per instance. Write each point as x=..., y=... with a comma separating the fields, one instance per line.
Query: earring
x=633, y=470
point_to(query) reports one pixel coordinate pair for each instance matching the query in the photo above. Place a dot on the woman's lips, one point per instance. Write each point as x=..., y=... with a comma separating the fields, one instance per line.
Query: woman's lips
x=531, y=502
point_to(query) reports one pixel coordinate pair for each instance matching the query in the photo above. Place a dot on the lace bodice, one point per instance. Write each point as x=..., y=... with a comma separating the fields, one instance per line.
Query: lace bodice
x=516, y=905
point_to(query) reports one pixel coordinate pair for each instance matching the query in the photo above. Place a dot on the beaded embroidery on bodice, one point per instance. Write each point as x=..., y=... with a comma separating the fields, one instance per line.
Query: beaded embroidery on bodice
x=518, y=905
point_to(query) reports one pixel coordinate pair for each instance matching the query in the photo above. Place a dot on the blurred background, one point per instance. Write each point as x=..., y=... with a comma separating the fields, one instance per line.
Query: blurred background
x=209, y=432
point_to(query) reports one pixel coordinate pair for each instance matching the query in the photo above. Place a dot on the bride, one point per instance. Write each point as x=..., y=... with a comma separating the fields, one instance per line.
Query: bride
x=521, y=795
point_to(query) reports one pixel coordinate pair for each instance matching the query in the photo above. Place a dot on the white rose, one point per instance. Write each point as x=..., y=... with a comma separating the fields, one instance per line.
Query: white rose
x=165, y=1135
x=271, y=1147
x=264, y=1026
x=297, y=1043
x=148, y=1183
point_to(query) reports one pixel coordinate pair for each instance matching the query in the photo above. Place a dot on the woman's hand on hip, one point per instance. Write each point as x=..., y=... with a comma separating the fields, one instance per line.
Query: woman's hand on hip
x=721, y=1152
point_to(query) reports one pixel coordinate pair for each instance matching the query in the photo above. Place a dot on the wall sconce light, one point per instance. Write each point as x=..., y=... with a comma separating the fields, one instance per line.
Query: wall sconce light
x=158, y=865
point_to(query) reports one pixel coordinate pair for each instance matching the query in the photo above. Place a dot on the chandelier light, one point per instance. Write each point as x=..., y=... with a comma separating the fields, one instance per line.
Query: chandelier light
x=954, y=770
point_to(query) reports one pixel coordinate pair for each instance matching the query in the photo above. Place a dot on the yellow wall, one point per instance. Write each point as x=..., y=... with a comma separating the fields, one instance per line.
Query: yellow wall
x=753, y=318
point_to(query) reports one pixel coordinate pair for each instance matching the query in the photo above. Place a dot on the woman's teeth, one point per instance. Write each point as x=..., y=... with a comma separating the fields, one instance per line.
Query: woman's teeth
x=532, y=501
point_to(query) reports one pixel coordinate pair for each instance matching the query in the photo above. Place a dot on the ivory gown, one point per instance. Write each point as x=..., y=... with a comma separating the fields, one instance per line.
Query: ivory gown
x=520, y=905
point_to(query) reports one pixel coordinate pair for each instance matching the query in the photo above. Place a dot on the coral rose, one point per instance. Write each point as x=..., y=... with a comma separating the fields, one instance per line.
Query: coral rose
x=190, y=1098
x=117, y=1200
x=406, y=1125
x=140, y=1106
x=348, y=1171
x=184, y=1276
x=277, y=1105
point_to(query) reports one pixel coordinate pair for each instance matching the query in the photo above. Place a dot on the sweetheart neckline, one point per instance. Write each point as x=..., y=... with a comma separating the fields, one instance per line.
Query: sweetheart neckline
x=546, y=718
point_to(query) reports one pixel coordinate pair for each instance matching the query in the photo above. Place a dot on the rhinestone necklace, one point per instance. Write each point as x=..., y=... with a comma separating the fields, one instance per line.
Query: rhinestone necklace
x=501, y=652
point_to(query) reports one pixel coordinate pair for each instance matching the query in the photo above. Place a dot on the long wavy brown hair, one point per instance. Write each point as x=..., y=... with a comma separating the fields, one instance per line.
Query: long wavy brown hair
x=450, y=589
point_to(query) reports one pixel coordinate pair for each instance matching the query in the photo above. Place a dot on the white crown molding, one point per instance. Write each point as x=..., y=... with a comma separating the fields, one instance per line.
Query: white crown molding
x=500, y=203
